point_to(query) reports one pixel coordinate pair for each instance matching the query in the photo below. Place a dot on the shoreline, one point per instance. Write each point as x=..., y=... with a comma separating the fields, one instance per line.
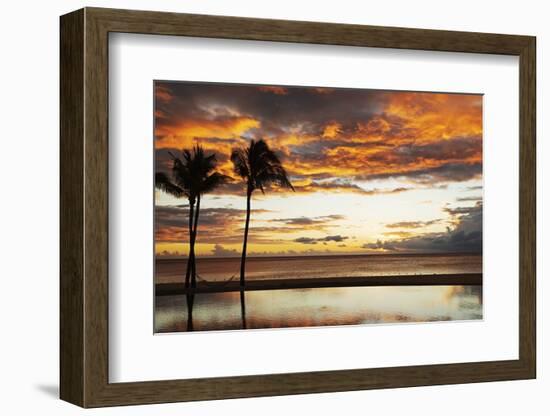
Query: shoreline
x=461, y=279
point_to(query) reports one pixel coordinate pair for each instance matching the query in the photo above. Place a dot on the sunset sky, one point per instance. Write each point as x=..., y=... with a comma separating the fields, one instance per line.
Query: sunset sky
x=373, y=171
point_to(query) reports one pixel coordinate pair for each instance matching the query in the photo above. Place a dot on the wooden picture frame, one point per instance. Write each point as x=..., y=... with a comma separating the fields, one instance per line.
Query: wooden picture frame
x=84, y=207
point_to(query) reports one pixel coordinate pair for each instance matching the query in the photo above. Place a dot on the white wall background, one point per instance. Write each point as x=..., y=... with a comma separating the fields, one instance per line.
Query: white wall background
x=29, y=214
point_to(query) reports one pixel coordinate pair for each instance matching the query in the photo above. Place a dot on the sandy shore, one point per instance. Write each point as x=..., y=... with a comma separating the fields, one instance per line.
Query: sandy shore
x=466, y=279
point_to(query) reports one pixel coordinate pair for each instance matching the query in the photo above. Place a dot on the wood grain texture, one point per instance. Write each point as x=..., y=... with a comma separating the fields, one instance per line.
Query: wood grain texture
x=96, y=208
x=225, y=27
x=304, y=383
x=71, y=100
x=84, y=205
x=527, y=208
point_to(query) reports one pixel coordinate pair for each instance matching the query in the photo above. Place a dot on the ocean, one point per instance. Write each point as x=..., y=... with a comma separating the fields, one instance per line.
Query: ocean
x=224, y=268
x=314, y=307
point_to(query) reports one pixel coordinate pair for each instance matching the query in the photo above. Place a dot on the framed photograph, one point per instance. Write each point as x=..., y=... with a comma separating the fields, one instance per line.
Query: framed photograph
x=260, y=207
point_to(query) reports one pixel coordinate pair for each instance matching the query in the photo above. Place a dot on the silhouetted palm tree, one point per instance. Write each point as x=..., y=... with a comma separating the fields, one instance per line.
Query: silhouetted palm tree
x=204, y=180
x=259, y=166
x=163, y=183
x=192, y=176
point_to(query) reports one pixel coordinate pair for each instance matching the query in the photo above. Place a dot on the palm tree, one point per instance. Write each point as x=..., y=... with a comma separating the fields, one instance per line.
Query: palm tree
x=193, y=175
x=179, y=189
x=259, y=166
x=203, y=180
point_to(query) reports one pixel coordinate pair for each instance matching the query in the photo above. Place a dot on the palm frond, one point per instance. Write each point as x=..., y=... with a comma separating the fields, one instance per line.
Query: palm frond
x=239, y=157
x=164, y=184
x=260, y=166
x=192, y=174
x=274, y=174
x=181, y=172
x=213, y=181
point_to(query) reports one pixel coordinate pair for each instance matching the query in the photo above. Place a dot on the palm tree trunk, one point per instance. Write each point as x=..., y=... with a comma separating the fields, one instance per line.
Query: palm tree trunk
x=245, y=240
x=189, y=256
x=194, y=264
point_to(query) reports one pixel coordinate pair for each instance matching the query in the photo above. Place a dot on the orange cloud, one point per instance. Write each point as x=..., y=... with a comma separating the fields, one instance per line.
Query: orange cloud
x=331, y=130
x=432, y=116
x=185, y=132
x=163, y=94
x=274, y=90
x=413, y=132
x=410, y=134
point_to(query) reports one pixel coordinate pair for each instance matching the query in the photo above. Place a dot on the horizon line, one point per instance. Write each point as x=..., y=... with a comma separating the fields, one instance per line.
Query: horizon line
x=210, y=256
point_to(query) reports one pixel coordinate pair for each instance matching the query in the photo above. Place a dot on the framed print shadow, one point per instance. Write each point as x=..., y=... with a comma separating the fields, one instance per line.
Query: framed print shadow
x=230, y=178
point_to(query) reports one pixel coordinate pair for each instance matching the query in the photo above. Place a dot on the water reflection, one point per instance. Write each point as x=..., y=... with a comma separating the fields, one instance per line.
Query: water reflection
x=316, y=307
x=190, y=297
x=243, y=309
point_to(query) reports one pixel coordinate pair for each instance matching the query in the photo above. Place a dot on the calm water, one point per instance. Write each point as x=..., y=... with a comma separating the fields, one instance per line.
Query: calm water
x=218, y=269
x=318, y=307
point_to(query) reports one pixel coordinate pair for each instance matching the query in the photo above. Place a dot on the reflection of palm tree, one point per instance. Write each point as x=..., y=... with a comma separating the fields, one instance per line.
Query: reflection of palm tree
x=259, y=166
x=190, y=300
x=192, y=176
x=243, y=310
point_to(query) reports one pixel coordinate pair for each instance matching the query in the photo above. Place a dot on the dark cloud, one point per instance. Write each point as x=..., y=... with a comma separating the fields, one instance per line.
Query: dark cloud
x=452, y=172
x=427, y=138
x=306, y=240
x=458, y=148
x=469, y=199
x=314, y=151
x=466, y=236
x=226, y=225
x=405, y=157
x=215, y=225
x=336, y=238
x=275, y=229
x=220, y=251
x=345, y=185
x=412, y=224
x=308, y=221
x=462, y=210
x=178, y=215
x=328, y=238
x=297, y=108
